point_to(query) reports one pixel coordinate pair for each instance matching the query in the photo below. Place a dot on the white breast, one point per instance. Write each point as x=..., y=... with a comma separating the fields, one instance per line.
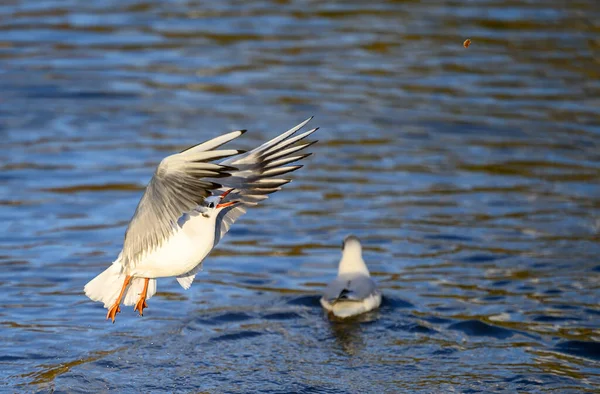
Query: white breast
x=182, y=252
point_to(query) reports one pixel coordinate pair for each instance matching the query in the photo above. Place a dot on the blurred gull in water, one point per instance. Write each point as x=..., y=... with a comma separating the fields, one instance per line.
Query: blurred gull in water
x=353, y=291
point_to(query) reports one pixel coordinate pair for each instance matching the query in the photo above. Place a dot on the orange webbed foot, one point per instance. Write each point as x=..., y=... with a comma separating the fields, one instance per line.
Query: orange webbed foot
x=112, y=312
x=141, y=304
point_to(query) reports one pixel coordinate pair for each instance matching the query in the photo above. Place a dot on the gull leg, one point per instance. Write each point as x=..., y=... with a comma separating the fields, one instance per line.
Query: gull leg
x=113, y=310
x=141, y=304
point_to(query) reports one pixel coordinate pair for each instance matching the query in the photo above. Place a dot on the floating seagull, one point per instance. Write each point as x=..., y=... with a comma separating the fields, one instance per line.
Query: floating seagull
x=188, y=206
x=353, y=291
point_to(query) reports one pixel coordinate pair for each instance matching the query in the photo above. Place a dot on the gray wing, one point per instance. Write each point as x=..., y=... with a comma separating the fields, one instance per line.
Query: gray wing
x=180, y=183
x=258, y=173
x=350, y=288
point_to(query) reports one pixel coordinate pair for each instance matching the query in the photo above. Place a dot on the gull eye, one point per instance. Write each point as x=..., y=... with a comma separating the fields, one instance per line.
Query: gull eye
x=211, y=205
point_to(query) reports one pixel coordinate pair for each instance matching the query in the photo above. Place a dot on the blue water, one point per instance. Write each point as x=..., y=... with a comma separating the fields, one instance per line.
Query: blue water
x=471, y=175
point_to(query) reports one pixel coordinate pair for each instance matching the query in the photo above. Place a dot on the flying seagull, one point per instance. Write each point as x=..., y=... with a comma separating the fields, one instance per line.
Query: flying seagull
x=187, y=207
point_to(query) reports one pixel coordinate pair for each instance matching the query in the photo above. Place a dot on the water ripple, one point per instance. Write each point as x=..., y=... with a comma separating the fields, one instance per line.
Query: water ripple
x=472, y=176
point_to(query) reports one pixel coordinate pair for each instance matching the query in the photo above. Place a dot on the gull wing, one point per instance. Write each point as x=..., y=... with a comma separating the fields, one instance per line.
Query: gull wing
x=350, y=288
x=180, y=183
x=258, y=173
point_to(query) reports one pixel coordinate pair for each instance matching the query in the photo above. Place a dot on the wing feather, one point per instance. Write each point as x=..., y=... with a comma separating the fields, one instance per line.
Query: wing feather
x=258, y=173
x=350, y=288
x=180, y=183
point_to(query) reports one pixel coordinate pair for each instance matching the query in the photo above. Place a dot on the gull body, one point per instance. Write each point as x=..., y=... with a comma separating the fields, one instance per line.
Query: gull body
x=353, y=291
x=193, y=241
x=183, y=214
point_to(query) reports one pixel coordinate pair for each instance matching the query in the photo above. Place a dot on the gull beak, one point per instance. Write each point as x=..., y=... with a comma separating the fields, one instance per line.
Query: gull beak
x=226, y=204
x=225, y=193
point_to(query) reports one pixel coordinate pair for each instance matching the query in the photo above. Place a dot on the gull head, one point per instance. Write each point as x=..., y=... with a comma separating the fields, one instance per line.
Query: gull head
x=351, y=243
x=352, y=261
x=214, y=204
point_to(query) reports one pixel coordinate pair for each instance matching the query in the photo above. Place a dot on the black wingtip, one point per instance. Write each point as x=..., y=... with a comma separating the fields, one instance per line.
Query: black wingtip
x=241, y=151
x=305, y=155
x=343, y=294
x=309, y=144
x=243, y=131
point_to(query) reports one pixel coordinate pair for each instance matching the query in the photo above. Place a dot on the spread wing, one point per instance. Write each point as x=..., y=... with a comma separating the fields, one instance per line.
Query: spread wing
x=180, y=183
x=258, y=173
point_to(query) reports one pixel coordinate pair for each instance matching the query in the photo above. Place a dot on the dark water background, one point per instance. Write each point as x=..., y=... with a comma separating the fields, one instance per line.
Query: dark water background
x=472, y=176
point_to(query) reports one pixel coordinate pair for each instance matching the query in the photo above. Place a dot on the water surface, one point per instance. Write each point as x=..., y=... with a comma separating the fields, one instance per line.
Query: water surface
x=471, y=175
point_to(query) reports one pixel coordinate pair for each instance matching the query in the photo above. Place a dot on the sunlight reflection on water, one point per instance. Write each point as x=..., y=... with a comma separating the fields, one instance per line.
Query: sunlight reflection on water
x=471, y=175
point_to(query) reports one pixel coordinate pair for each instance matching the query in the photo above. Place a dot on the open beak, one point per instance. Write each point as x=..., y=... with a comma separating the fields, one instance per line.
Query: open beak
x=226, y=204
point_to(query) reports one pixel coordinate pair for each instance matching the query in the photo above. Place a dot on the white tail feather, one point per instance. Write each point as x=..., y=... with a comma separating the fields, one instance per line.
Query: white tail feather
x=186, y=281
x=107, y=286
